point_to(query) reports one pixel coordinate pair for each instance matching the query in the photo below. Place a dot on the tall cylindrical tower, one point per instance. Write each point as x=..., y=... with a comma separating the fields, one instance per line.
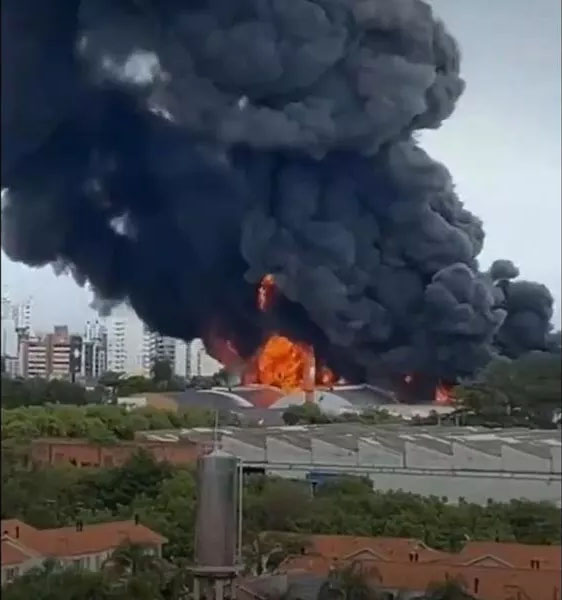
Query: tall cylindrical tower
x=217, y=528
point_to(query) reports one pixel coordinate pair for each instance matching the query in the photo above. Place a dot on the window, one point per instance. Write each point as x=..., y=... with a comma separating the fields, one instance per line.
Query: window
x=535, y=564
x=76, y=563
x=476, y=584
x=12, y=573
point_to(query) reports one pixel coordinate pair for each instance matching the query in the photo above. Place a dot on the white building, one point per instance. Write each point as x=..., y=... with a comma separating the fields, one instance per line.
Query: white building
x=180, y=359
x=172, y=350
x=200, y=363
x=129, y=343
x=94, y=351
x=9, y=334
x=94, y=330
x=23, y=315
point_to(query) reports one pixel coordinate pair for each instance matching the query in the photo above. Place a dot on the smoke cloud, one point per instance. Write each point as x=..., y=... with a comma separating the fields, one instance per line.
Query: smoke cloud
x=172, y=154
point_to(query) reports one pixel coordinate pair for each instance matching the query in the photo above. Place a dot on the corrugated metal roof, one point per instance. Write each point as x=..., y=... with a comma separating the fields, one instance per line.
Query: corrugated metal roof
x=536, y=443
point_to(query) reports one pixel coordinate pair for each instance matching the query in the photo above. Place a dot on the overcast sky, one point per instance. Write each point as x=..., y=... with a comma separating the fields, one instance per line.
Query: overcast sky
x=502, y=146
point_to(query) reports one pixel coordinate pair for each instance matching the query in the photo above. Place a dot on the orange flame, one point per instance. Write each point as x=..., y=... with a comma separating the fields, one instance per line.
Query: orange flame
x=443, y=395
x=325, y=376
x=266, y=292
x=282, y=363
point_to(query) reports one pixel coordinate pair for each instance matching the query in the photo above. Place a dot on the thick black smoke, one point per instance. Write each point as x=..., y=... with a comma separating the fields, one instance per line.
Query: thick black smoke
x=173, y=153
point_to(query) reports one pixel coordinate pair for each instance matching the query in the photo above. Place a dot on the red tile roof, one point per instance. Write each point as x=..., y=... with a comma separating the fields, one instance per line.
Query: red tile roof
x=515, y=555
x=492, y=571
x=67, y=541
x=12, y=555
x=347, y=546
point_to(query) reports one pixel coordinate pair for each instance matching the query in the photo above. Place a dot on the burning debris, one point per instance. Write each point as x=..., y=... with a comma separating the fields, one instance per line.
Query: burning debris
x=249, y=146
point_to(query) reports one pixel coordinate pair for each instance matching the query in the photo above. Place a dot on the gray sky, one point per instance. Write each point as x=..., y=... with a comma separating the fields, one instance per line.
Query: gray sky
x=502, y=146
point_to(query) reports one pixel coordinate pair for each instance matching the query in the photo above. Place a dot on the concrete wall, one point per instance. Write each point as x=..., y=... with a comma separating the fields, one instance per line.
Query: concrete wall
x=84, y=454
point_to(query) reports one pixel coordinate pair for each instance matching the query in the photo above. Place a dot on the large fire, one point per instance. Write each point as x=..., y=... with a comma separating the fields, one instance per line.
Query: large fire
x=281, y=362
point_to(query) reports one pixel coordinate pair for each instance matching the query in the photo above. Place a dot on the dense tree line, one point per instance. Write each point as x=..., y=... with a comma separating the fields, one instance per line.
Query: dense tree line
x=103, y=423
x=164, y=497
x=525, y=391
x=17, y=392
x=311, y=414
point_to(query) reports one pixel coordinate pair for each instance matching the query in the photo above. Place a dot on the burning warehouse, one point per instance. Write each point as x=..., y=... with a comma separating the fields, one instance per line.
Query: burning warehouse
x=258, y=163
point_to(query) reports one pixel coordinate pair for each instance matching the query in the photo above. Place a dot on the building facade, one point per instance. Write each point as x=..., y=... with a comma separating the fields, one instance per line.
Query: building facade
x=199, y=362
x=130, y=345
x=9, y=331
x=23, y=315
x=86, y=547
x=82, y=453
x=94, y=351
x=34, y=356
x=56, y=355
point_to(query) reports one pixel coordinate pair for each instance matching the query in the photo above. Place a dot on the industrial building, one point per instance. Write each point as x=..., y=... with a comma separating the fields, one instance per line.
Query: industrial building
x=471, y=463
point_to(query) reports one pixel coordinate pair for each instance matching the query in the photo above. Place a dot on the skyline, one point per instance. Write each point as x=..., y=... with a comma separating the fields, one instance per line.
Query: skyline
x=502, y=146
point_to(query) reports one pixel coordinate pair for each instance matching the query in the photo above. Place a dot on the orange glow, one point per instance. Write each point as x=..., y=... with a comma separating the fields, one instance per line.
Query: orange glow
x=443, y=395
x=325, y=376
x=282, y=363
x=266, y=292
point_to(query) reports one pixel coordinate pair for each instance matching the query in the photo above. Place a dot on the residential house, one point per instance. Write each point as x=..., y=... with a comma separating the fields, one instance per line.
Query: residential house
x=85, y=546
x=489, y=570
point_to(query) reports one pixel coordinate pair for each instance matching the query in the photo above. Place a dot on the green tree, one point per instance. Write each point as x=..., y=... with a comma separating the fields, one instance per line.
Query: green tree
x=527, y=389
x=162, y=372
x=307, y=413
x=267, y=550
x=452, y=589
x=351, y=582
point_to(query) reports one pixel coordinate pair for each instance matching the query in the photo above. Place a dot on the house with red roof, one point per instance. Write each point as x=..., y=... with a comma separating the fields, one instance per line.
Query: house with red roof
x=85, y=546
x=488, y=570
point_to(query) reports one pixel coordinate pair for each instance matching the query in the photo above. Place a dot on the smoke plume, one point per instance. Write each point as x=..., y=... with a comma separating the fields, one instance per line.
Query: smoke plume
x=173, y=153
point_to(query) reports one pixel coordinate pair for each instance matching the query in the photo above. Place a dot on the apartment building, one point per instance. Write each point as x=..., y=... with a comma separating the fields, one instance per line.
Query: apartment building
x=9, y=330
x=129, y=343
x=56, y=355
x=34, y=356
x=84, y=546
x=199, y=362
x=94, y=351
x=22, y=314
